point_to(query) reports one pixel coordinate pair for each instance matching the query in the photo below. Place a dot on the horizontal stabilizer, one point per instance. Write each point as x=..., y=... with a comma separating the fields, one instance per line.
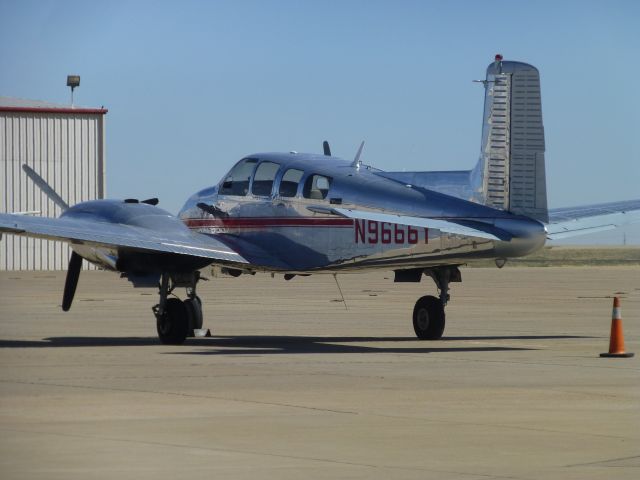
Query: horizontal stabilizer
x=574, y=221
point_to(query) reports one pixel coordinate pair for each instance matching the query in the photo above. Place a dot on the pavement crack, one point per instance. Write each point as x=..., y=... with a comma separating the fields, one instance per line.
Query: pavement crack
x=186, y=395
x=602, y=462
x=257, y=453
x=494, y=425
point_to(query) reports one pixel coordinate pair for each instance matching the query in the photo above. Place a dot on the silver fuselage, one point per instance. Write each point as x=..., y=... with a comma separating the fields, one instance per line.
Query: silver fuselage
x=297, y=234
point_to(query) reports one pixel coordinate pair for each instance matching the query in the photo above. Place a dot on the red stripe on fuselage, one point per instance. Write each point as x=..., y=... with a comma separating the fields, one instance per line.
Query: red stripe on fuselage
x=250, y=222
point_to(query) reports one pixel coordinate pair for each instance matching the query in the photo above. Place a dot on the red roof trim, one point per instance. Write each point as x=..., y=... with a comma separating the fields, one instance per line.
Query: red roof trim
x=85, y=111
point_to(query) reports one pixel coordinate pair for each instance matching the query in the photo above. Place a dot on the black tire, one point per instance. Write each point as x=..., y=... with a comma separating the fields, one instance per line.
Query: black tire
x=194, y=313
x=173, y=326
x=428, y=318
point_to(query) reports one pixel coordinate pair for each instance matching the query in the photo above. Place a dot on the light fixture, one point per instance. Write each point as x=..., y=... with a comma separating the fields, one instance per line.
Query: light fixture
x=73, y=81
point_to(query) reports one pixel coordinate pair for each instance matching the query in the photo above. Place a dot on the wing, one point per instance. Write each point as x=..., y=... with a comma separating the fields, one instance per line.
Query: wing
x=570, y=222
x=114, y=235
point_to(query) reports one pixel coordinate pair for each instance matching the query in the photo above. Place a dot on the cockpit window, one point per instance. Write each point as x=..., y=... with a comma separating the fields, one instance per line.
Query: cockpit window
x=289, y=182
x=316, y=187
x=263, y=179
x=237, y=181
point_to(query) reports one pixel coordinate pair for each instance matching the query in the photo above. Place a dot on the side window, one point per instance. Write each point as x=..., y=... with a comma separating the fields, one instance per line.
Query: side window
x=289, y=182
x=237, y=181
x=263, y=179
x=316, y=187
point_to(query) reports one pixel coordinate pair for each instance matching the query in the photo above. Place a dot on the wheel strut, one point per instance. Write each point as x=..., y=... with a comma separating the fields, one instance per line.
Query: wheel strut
x=160, y=308
x=442, y=276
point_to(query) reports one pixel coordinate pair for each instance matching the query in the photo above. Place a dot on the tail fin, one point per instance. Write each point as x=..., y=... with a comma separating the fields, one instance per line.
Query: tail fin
x=511, y=163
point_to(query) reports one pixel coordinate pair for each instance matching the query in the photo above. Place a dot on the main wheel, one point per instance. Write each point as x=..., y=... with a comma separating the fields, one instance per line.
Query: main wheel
x=194, y=312
x=428, y=318
x=173, y=325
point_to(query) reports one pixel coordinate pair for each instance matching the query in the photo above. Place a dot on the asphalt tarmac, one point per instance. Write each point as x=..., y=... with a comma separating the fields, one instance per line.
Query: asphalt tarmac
x=294, y=384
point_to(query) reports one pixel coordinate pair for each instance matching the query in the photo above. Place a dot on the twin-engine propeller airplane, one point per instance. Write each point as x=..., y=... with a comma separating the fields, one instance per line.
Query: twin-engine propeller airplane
x=301, y=214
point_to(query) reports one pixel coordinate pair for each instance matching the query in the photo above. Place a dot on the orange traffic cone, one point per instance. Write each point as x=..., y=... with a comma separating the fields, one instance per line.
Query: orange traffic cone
x=616, y=342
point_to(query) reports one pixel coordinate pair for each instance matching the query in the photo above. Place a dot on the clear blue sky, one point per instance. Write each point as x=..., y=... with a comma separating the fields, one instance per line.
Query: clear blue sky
x=192, y=86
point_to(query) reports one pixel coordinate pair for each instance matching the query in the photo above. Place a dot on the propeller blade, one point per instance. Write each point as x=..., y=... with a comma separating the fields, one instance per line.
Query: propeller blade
x=151, y=201
x=45, y=187
x=73, y=273
x=326, y=148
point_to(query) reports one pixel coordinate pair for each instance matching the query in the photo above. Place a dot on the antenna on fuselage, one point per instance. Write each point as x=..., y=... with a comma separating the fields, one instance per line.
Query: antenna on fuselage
x=326, y=149
x=356, y=161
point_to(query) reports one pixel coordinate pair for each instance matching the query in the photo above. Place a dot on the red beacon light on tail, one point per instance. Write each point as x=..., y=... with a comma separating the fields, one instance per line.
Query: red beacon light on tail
x=498, y=63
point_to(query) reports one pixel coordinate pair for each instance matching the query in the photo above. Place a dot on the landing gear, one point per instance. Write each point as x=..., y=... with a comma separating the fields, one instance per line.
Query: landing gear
x=428, y=318
x=428, y=313
x=175, y=319
x=173, y=324
x=194, y=312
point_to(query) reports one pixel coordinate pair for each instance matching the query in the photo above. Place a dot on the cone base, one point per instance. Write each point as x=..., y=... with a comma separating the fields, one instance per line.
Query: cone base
x=617, y=355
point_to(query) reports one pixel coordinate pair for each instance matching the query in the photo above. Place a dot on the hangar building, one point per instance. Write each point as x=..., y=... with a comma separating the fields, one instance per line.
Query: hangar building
x=65, y=145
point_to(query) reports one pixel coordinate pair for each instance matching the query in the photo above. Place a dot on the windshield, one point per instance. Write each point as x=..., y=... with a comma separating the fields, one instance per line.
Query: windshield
x=237, y=181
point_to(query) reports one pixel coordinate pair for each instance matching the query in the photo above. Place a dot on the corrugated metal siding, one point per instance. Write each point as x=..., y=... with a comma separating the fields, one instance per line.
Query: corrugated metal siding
x=67, y=150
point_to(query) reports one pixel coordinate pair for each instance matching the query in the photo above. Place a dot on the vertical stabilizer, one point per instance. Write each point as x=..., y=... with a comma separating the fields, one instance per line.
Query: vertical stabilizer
x=512, y=155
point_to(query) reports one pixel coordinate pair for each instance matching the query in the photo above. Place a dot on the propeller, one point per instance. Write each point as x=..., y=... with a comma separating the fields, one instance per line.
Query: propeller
x=70, y=284
x=45, y=187
x=75, y=262
x=326, y=148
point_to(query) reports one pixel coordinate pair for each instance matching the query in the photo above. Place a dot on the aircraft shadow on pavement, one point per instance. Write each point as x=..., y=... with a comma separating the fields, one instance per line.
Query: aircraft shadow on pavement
x=63, y=342
x=259, y=345
x=271, y=344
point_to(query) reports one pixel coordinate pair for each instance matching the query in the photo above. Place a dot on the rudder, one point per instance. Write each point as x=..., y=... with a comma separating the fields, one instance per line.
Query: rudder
x=512, y=154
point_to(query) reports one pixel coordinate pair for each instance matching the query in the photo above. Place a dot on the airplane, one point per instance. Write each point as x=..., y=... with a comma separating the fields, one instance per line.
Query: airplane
x=302, y=214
